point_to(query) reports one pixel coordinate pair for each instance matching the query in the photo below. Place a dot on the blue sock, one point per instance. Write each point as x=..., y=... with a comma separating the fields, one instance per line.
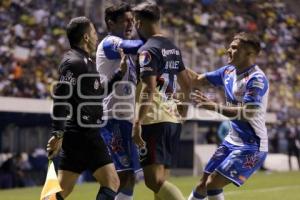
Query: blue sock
x=106, y=193
x=197, y=195
x=127, y=191
x=214, y=192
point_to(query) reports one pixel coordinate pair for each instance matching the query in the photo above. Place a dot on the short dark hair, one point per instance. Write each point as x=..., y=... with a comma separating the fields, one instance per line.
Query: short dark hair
x=147, y=10
x=115, y=11
x=76, y=28
x=249, y=39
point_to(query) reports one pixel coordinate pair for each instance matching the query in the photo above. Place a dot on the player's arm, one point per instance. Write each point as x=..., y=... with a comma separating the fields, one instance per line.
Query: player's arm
x=196, y=80
x=146, y=99
x=252, y=101
x=229, y=111
x=118, y=75
x=148, y=62
x=112, y=44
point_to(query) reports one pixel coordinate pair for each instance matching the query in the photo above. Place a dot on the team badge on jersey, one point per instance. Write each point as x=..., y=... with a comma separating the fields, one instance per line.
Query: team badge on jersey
x=144, y=58
x=96, y=84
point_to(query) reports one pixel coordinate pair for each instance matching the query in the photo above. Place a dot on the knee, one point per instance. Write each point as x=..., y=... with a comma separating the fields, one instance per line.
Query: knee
x=127, y=180
x=114, y=182
x=154, y=183
x=201, y=186
x=66, y=191
x=211, y=183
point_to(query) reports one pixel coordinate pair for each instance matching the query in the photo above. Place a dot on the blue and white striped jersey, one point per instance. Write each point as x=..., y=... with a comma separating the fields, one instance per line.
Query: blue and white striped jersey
x=252, y=87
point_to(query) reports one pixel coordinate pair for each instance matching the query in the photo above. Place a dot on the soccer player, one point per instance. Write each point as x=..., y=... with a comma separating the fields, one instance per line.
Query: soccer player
x=157, y=127
x=245, y=147
x=119, y=105
x=77, y=100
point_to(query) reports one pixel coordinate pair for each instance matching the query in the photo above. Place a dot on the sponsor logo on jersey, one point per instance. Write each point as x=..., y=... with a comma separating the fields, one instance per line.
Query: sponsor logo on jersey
x=167, y=52
x=145, y=59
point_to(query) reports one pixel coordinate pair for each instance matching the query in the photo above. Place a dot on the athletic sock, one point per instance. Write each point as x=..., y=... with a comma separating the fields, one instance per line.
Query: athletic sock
x=196, y=196
x=168, y=191
x=215, y=194
x=125, y=194
x=106, y=193
x=59, y=197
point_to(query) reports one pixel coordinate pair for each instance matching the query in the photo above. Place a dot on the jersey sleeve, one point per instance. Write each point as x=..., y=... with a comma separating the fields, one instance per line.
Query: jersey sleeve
x=256, y=88
x=149, y=62
x=112, y=43
x=216, y=77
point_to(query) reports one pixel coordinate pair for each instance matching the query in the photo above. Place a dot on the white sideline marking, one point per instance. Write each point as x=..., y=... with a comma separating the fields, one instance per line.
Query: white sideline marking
x=231, y=193
x=262, y=190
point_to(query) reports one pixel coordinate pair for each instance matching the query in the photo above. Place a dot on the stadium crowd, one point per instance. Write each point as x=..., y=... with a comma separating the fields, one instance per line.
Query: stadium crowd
x=33, y=41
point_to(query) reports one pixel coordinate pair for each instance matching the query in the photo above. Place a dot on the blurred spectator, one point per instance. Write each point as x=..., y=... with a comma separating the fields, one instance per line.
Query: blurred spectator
x=13, y=172
x=293, y=143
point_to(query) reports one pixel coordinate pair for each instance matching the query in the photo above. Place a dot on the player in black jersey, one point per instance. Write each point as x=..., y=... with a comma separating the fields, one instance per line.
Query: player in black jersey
x=77, y=113
x=157, y=127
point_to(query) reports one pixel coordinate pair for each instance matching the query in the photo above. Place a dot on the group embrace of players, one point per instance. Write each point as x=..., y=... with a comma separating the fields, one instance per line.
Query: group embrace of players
x=118, y=115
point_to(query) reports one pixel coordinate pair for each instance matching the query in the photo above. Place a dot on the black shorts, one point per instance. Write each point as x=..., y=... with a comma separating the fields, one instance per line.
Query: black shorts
x=162, y=141
x=83, y=149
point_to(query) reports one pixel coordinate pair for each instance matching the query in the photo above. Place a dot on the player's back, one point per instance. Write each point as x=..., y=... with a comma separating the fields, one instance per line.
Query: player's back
x=161, y=58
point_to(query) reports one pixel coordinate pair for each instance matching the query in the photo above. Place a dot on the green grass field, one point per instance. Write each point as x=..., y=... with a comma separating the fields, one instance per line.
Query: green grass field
x=262, y=186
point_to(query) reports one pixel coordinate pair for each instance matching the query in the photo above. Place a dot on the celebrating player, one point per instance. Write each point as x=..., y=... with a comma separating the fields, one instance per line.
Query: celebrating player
x=157, y=127
x=245, y=147
x=78, y=95
x=119, y=105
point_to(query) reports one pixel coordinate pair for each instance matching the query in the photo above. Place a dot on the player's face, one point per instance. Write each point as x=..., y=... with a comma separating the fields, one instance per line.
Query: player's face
x=237, y=54
x=92, y=38
x=124, y=25
x=138, y=27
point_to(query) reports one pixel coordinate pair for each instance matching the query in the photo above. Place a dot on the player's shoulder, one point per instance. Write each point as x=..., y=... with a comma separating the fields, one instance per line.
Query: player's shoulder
x=73, y=61
x=258, y=74
x=227, y=69
x=258, y=79
x=110, y=41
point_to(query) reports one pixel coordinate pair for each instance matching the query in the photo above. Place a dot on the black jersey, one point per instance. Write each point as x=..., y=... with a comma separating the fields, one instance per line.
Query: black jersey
x=161, y=58
x=79, y=92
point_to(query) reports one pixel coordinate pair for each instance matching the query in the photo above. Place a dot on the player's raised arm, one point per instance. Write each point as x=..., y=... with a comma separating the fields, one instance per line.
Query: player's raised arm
x=196, y=80
x=111, y=44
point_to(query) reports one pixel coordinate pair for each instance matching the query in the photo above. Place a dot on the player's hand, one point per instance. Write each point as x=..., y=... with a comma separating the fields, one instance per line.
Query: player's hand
x=137, y=135
x=54, y=146
x=202, y=101
x=123, y=63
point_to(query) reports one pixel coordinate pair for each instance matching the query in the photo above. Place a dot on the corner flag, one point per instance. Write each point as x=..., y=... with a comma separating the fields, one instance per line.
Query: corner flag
x=51, y=186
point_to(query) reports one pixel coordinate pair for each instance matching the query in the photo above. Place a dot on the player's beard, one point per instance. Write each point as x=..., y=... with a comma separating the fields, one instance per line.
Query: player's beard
x=141, y=36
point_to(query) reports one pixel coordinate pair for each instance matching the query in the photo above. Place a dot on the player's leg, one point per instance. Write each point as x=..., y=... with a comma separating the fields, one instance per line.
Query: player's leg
x=155, y=179
x=100, y=163
x=67, y=180
x=109, y=181
x=161, y=145
x=238, y=166
x=215, y=185
x=127, y=182
x=117, y=136
x=71, y=163
x=200, y=191
x=290, y=154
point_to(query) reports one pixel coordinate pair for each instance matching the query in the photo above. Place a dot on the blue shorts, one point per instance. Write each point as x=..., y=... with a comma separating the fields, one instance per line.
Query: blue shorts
x=117, y=136
x=235, y=163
